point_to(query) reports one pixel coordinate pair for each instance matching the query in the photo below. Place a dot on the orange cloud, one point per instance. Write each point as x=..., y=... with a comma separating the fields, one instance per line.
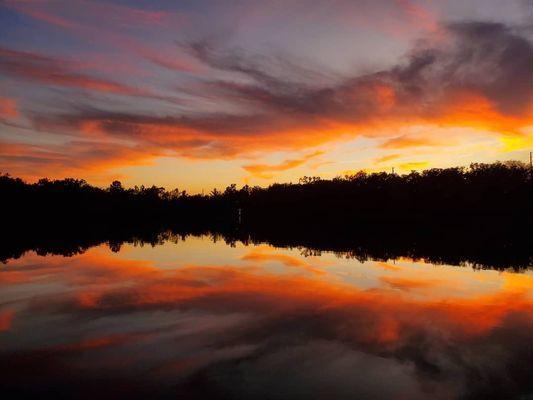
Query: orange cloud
x=389, y=157
x=282, y=258
x=387, y=266
x=471, y=108
x=409, y=283
x=265, y=171
x=6, y=318
x=289, y=261
x=98, y=342
x=70, y=159
x=405, y=141
x=8, y=108
x=90, y=268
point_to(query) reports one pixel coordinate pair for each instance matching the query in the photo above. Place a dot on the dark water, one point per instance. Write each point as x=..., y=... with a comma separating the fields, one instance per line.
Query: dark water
x=198, y=319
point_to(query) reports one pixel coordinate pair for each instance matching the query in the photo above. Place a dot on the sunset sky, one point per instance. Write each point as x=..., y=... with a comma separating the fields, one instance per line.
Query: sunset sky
x=200, y=94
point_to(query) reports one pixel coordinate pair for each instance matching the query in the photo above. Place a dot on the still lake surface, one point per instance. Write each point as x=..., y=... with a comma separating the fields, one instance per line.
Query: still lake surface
x=198, y=318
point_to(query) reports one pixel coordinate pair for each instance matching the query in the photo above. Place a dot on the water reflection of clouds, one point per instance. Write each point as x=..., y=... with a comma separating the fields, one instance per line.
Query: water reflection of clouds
x=241, y=329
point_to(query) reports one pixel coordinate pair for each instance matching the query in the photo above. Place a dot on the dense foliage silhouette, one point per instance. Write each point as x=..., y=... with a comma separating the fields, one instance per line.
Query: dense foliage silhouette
x=481, y=215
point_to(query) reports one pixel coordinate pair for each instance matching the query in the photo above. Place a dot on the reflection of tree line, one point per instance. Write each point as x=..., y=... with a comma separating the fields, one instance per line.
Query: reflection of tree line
x=478, y=215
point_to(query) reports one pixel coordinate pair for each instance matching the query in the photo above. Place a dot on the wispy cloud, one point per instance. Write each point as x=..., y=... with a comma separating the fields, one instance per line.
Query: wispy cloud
x=386, y=158
x=8, y=108
x=52, y=71
x=408, y=284
x=405, y=141
x=266, y=171
x=69, y=159
x=84, y=20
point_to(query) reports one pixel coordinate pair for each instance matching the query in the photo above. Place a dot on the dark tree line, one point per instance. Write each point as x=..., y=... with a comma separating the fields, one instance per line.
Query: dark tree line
x=480, y=214
x=495, y=191
x=498, y=191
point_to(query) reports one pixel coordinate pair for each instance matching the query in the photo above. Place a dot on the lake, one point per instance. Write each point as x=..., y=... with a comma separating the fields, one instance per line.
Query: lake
x=196, y=317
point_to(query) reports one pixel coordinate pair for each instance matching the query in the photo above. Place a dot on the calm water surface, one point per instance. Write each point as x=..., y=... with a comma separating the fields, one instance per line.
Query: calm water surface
x=198, y=319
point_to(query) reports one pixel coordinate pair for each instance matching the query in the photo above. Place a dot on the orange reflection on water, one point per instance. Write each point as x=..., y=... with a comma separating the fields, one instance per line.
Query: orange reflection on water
x=122, y=309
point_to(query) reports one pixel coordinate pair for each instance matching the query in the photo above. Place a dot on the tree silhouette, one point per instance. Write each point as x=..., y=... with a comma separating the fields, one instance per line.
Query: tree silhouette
x=483, y=206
